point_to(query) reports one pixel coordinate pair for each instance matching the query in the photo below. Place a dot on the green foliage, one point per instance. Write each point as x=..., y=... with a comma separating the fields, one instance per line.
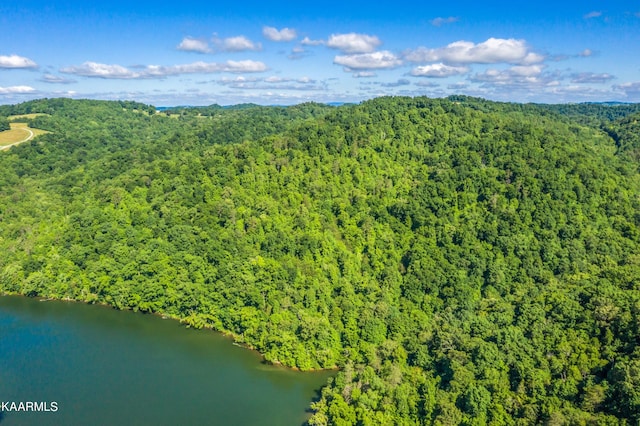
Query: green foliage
x=626, y=133
x=461, y=261
x=594, y=113
x=4, y=124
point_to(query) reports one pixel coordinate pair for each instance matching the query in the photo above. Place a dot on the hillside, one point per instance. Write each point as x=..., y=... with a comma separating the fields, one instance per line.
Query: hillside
x=461, y=261
x=626, y=133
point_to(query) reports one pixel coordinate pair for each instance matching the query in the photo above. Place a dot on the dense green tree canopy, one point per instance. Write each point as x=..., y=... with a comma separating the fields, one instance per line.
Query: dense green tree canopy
x=460, y=261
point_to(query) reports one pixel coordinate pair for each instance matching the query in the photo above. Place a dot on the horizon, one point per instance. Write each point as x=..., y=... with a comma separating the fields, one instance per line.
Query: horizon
x=201, y=54
x=161, y=108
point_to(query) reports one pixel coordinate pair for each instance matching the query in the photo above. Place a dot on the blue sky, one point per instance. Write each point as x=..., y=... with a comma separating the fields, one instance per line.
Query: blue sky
x=200, y=53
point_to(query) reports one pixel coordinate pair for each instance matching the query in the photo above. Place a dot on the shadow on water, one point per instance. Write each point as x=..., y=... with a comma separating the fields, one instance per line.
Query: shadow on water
x=317, y=396
x=1, y=416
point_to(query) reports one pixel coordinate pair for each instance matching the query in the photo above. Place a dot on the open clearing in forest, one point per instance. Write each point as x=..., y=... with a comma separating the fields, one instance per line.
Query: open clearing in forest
x=19, y=133
x=27, y=116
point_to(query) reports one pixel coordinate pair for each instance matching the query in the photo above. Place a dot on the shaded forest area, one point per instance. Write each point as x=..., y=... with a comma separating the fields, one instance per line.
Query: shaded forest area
x=461, y=261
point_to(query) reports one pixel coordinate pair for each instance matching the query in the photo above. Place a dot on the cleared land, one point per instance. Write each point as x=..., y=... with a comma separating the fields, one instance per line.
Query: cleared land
x=27, y=116
x=19, y=133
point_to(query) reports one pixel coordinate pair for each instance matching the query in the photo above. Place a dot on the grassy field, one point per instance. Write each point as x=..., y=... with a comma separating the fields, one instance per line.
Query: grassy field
x=20, y=132
x=27, y=116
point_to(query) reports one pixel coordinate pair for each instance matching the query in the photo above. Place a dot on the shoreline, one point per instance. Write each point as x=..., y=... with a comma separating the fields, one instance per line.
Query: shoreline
x=232, y=336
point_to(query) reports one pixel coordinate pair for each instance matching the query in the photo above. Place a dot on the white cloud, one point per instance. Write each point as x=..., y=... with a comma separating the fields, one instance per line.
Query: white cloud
x=236, y=44
x=214, y=67
x=530, y=77
x=298, y=52
x=16, y=90
x=274, y=79
x=240, y=43
x=15, y=61
x=285, y=34
x=229, y=44
x=368, y=61
x=594, y=14
x=526, y=70
x=492, y=51
x=589, y=77
x=575, y=93
x=563, y=57
x=398, y=83
x=493, y=76
x=457, y=86
x=438, y=70
x=93, y=69
x=308, y=42
x=353, y=43
x=364, y=74
x=440, y=21
x=238, y=82
x=427, y=84
x=190, y=44
x=273, y=83
x=50, y=78
x=532, y=58
x=630, y=89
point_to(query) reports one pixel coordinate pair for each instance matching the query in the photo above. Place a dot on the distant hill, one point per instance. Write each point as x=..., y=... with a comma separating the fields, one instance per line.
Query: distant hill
x=595, y=113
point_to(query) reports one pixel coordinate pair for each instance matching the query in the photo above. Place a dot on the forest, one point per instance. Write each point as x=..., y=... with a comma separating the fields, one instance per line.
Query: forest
x=458, y=261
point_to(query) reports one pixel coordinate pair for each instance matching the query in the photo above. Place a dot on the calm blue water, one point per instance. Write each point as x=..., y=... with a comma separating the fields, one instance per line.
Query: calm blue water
x=107, y=367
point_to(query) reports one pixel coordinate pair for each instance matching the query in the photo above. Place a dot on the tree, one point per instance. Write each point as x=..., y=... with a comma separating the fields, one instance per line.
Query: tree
x=4, y=124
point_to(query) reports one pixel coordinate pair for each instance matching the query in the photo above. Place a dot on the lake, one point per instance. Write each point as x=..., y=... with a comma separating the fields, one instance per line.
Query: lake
x=104, y=367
